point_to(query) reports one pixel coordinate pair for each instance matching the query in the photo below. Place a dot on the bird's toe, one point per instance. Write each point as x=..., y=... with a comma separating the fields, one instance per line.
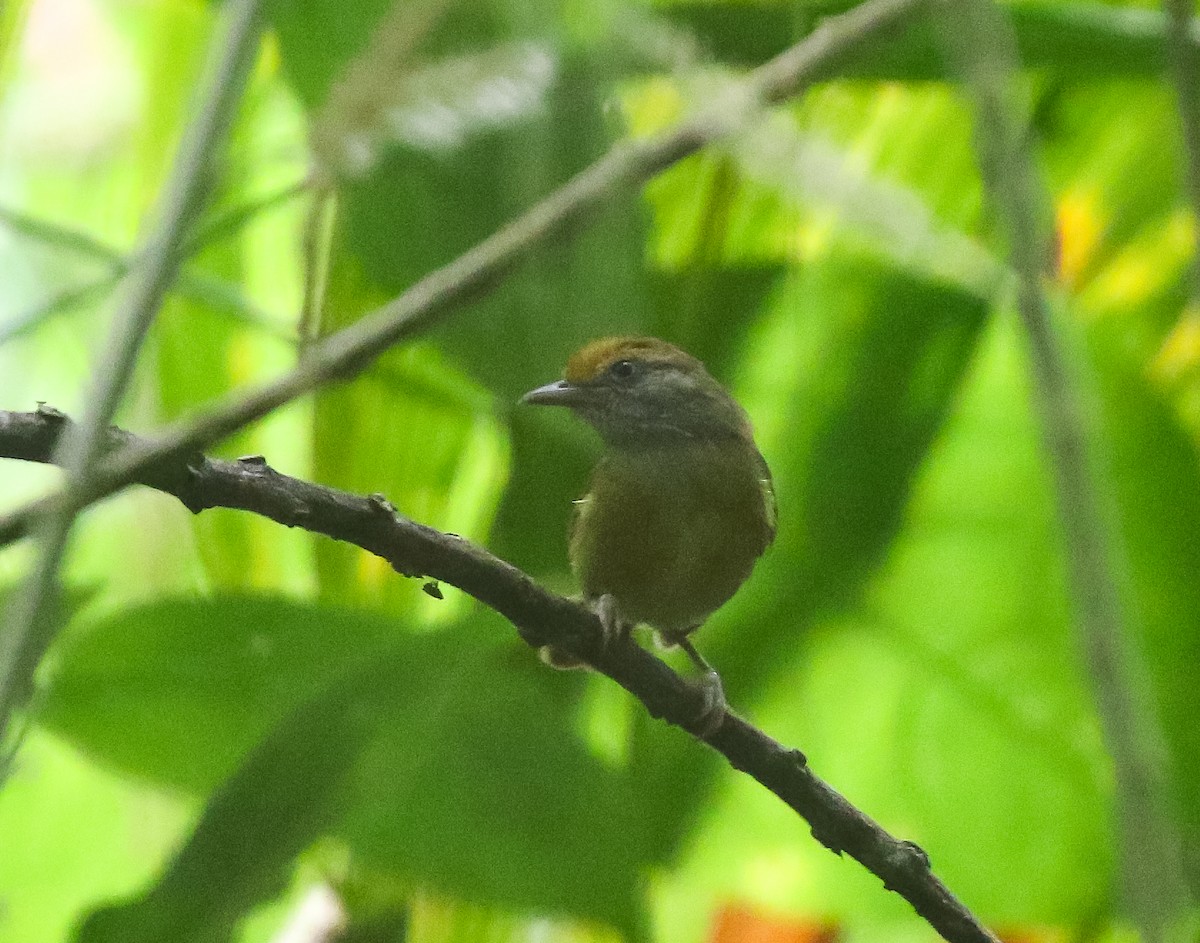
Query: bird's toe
x=714, y=707
x=610, y=619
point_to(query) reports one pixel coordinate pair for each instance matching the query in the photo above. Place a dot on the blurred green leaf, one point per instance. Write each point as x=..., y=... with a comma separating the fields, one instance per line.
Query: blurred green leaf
x=871, y=357
x=948, y=702
x=195, y=364
x=318, y=38
x=12, y=19
x=414, y=429
x=839, y=171
x=1157, y=502
x=179, y=690
x=467, y=777
x=973, y=601
x=484, y=792
x=242, y=850
x=1115, y=186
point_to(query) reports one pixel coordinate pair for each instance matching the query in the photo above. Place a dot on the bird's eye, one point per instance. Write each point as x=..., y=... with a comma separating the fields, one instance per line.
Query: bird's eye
x=622, y=369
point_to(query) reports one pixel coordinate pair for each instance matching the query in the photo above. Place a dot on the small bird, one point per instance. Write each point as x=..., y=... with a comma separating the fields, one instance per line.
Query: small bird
x=680, y=504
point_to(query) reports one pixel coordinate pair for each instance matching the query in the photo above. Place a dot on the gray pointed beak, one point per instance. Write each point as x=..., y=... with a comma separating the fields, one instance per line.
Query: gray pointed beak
x=559, y=393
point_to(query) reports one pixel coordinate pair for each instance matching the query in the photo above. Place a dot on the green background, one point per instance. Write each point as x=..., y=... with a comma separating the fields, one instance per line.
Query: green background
x=237, y=713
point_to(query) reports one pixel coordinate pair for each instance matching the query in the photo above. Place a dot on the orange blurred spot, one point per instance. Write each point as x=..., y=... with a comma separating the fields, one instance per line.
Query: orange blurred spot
x=1078, y=228
x=739, y=924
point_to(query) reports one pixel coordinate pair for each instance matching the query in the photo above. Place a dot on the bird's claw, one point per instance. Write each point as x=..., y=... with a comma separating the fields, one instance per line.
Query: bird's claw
x=610, y=620
x=612, y=629
x=714, y=706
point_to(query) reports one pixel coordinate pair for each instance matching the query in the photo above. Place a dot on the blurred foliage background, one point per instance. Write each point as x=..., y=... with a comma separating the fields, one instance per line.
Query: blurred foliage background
x=244, y=728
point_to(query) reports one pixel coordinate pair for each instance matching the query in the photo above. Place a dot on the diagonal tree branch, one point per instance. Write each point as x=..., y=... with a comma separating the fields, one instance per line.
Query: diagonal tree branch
x=348, y=352
x=541, y=618
x=27, y=633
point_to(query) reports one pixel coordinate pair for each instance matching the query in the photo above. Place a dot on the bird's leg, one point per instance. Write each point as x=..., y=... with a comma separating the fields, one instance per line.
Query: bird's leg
x=712, y=714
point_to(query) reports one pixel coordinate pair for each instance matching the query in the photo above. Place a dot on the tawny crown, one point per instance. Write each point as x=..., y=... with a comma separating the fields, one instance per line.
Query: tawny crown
x=591, y=361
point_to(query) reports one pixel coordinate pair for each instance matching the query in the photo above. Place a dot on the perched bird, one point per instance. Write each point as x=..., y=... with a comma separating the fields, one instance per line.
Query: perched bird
x=680, y=504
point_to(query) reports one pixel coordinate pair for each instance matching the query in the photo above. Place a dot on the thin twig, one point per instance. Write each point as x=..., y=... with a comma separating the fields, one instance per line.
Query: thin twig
x=540, y=618
x=346, y=353
x=27, y=632
x=76, y=240
x=316, y=243
x=193, y=285
x=61, y=302
x=213, y=295
x=978, y=40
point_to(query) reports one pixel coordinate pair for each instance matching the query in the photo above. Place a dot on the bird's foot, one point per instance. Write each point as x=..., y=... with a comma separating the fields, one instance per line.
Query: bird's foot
x=610, y=620
x=612, y=631
x=714, y=708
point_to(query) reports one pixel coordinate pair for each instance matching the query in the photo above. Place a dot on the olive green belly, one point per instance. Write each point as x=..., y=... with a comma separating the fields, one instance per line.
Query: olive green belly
x=670, y=556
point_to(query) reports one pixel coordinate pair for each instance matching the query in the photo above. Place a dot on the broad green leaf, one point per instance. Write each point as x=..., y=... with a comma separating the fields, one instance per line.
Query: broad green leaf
x=484, y=793
x=256, y=823
x=947, y=701
x=1156, y=479
x=854, y=375
x=179, y=690
x=468, y=778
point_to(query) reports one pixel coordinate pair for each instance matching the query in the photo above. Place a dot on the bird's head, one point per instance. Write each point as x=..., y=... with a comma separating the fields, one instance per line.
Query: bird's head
x=641, y=391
